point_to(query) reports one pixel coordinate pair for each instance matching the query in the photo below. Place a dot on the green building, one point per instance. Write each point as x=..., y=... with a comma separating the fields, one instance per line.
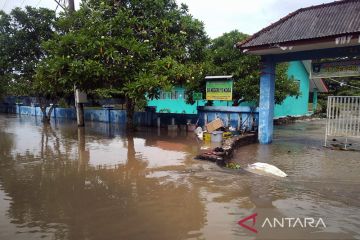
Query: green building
x=174, y=101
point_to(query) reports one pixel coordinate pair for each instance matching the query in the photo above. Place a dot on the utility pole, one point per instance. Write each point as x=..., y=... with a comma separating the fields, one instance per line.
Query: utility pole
x=80, y=97
x=71, y=6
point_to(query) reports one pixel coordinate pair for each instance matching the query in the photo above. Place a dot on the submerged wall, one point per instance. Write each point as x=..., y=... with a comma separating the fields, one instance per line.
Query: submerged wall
x=148, y=118
x=236, y=117
x=241, y=117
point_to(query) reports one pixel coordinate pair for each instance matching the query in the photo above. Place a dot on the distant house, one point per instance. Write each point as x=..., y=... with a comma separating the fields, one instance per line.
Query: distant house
x=174, y=101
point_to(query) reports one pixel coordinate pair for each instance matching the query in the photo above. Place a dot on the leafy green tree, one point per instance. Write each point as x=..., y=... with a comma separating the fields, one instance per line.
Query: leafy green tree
x=21, y=35
x=131, y=48
x=224, y=59
x=5, y=69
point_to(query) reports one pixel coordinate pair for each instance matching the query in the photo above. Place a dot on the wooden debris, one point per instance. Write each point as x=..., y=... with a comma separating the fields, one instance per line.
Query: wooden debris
x=214, y=125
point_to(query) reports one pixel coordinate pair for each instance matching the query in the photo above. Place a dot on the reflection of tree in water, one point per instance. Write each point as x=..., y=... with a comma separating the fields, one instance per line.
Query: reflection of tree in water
x=6, y=144
x=96, y=203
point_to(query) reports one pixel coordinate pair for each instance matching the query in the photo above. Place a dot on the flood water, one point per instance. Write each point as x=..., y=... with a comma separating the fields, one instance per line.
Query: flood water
x=58, y=182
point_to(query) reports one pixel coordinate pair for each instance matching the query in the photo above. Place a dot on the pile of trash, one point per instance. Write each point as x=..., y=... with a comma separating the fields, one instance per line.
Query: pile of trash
x=221, y=155
x=215, y=131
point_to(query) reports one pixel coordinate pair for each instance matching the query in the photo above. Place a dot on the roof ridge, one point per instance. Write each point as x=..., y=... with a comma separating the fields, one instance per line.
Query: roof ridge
x=283, y=19
x=337, y=2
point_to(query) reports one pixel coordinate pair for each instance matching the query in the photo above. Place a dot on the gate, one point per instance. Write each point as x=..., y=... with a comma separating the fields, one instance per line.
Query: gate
x=343, y=119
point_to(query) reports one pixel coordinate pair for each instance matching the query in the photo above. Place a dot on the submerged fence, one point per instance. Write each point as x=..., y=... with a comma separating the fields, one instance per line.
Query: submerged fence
x=243, y=118
x=343, y=117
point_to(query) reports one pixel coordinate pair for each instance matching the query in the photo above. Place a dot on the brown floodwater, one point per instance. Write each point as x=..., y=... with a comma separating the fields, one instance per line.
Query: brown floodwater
x=58, y=182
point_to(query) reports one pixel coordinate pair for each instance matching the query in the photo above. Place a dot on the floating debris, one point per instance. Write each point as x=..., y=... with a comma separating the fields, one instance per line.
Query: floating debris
x=266, y=169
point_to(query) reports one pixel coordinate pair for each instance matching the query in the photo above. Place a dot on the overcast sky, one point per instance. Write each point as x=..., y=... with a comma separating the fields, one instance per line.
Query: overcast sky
x=219, y=16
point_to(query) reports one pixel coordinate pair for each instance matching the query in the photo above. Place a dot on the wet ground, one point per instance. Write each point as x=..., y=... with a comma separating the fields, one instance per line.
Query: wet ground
x=59, y=182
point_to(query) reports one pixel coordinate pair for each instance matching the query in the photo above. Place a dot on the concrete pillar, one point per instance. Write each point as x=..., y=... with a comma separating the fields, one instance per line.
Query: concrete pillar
x=18, y=110
x=80, y=114
x=266, y=103
x=54, y=110
x=158, y=122
x=315, y=98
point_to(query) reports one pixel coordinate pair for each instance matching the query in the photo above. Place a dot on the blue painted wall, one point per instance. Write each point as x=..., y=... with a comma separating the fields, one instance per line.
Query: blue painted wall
x=148, y=118
x=241, y=117
x=237, y=117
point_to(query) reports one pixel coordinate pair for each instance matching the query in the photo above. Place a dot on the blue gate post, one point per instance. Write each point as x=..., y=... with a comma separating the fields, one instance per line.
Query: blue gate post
x=267, y=101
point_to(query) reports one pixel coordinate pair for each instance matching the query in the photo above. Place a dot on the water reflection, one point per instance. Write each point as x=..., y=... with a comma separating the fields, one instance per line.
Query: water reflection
x=55, y=192
x=61, y=182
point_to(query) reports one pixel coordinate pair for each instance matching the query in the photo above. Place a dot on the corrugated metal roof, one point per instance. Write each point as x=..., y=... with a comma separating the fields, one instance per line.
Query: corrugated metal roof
x=336, y=18
x=319, y=84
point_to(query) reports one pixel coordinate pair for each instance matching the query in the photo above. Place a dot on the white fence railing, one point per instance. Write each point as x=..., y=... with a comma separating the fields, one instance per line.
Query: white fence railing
x=343, y=117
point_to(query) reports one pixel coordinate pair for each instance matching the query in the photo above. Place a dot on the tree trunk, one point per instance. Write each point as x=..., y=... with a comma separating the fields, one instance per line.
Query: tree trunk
x=45, y=118
x=130, y=110
x=50, y=111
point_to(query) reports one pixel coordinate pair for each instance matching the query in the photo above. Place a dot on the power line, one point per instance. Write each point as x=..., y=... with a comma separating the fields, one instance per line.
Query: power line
x=3, y=7
x=38, y=3
x=343, y=84
x=59, y=4
x=22, y=3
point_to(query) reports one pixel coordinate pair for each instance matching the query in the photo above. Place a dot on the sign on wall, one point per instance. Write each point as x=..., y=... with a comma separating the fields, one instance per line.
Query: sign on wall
x=335, y=69
x=219, y=90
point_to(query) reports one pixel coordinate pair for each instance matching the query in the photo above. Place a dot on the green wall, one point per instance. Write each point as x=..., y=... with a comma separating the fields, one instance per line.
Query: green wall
x=295, y=106
x=291, y=106
x=175, y=105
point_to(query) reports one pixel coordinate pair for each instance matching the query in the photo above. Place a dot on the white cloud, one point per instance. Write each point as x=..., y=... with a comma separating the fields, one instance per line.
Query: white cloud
x=7, y=5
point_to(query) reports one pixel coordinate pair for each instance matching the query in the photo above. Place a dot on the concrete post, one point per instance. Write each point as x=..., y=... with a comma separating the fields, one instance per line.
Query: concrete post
x=315, y=98
x=80, y=114
x=54, y=110
x=267, y=101
x=80, y=98
x=109, y=115
x=158, y=122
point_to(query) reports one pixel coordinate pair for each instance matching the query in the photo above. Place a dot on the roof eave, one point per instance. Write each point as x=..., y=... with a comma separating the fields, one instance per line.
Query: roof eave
x=302, y=42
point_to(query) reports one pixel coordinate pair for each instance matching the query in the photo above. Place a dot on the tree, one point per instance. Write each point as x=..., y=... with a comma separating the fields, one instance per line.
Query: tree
x=21, y=35
x=133, y=48
x=5, y=69
x=224, y=59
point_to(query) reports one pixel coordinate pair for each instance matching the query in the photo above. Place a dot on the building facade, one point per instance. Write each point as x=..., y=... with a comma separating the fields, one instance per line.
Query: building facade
x=175, y=101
